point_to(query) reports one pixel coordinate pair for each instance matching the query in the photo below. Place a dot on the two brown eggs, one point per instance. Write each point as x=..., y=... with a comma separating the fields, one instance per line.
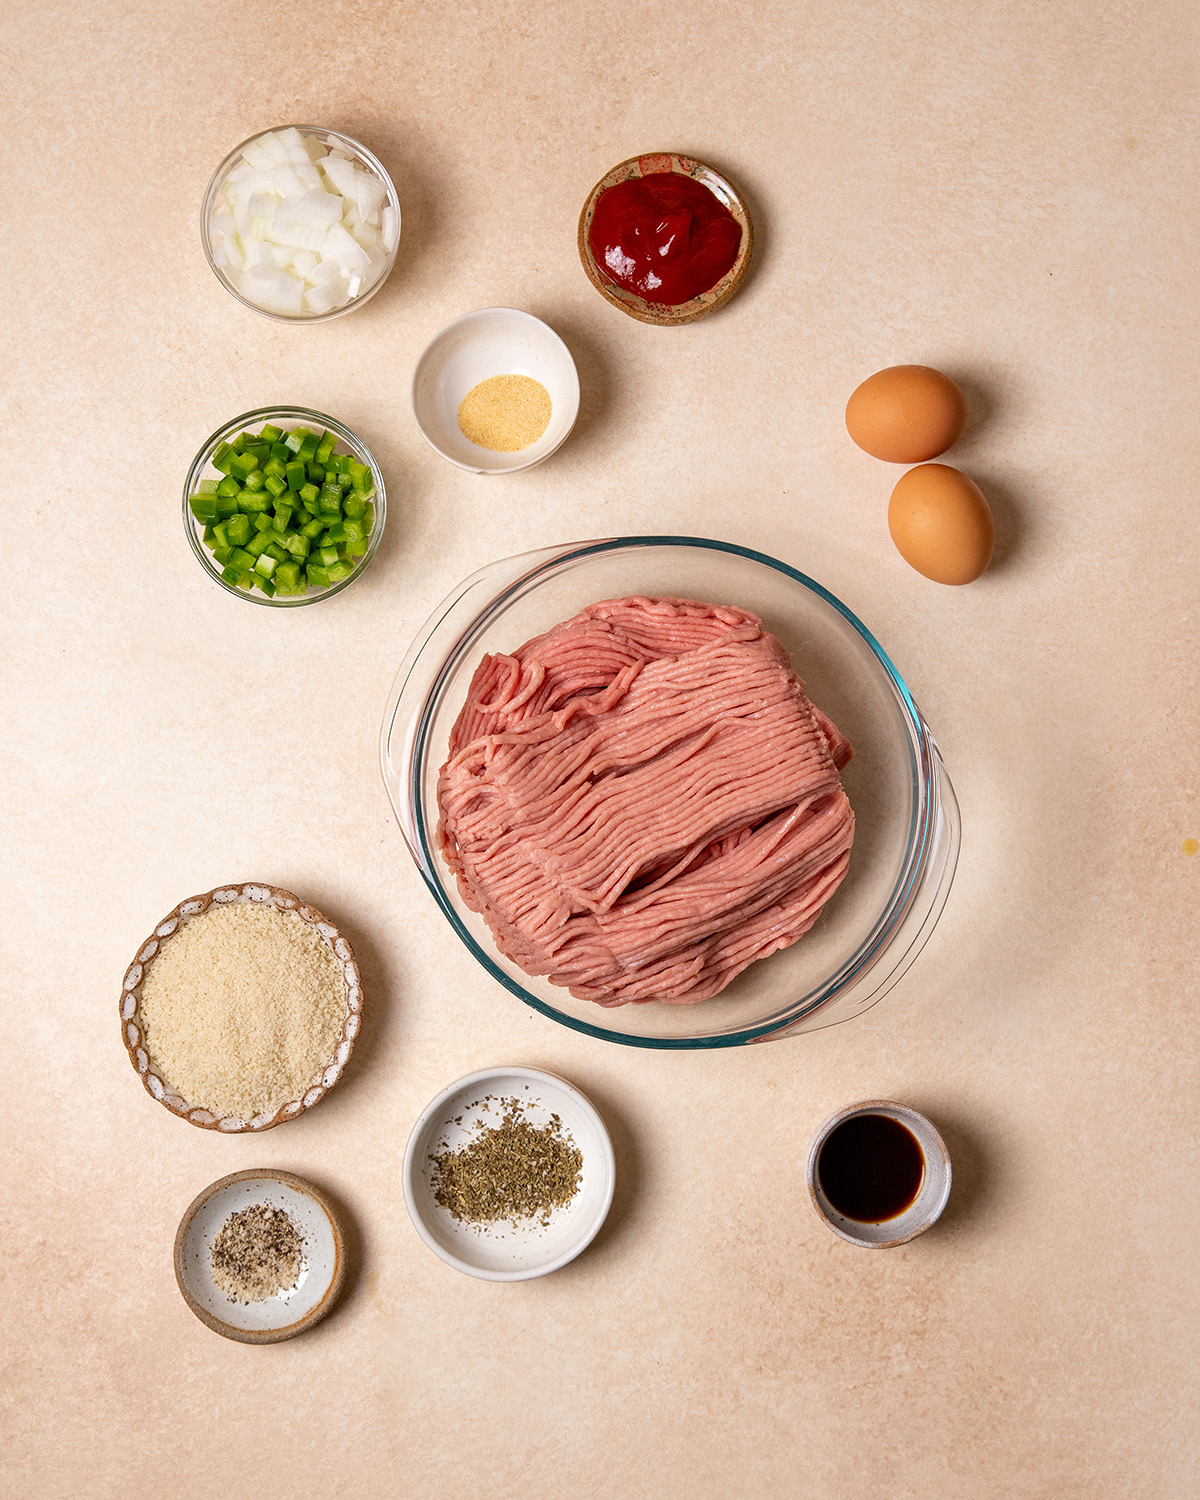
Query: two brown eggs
x=938, y=518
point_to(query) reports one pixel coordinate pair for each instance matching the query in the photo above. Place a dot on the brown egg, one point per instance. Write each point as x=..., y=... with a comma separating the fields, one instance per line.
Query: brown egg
x=906, y=414
x=941, y=524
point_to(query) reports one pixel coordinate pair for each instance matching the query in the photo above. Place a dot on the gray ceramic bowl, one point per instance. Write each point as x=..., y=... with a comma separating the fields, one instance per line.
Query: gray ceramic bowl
x=932, y=1195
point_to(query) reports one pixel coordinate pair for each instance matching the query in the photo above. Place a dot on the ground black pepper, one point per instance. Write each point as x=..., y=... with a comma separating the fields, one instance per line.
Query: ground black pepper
x=258, y=1251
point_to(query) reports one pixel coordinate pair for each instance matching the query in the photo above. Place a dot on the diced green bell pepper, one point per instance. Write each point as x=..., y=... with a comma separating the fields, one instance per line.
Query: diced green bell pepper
x=237, y=530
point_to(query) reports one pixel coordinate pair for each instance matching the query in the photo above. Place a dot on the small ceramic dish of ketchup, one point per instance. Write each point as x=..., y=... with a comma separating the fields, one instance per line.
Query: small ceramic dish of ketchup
x=665, y=238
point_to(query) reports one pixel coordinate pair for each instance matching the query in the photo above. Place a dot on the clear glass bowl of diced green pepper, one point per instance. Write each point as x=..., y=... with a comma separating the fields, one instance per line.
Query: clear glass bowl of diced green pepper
x=284, y=506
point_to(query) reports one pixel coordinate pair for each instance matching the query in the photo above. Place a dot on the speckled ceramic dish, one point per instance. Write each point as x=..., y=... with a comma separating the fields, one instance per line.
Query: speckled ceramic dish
x=932, y=1195
x=193, y=1110
x=665, y=314
x=286, y=1313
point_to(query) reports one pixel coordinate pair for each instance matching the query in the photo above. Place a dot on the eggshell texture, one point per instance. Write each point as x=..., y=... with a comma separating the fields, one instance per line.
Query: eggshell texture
x=941, y=524
x=906, y=414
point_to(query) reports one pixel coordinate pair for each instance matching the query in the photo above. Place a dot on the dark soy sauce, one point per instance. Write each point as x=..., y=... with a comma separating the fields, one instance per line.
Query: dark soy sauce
x=871, y=1168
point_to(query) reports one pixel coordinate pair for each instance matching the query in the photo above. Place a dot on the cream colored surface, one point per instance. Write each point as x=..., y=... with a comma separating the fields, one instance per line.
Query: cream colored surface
x=1001, y=190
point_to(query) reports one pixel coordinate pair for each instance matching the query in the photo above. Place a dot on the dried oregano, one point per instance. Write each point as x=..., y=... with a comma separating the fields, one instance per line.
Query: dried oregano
x=514, y=1171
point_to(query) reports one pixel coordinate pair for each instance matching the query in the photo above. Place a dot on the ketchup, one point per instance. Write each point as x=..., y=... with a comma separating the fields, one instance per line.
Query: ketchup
x=665, y=237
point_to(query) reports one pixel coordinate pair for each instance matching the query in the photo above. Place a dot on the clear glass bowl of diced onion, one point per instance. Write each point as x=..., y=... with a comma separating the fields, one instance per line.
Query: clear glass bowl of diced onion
x=301, y=223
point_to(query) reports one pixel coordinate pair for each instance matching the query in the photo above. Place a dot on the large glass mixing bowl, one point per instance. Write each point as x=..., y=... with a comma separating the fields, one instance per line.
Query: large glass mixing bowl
x=907, y=825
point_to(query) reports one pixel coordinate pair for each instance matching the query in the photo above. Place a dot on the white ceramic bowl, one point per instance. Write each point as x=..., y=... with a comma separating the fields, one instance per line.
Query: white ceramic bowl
x=287, y=1313
x=493, y=341
x=932, y=1196
x=502, y=1252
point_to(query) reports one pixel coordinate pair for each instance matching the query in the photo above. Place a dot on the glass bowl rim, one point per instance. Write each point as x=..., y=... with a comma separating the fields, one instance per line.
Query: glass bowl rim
x=209, y=447
x=922, y=766
x=214, y=187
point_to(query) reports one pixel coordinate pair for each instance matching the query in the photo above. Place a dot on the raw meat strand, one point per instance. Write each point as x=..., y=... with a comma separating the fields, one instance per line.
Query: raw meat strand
x=593, y=731
x=717, y=907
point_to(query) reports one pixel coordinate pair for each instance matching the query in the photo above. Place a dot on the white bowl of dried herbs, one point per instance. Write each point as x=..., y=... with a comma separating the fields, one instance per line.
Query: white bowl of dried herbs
x=509, y=1174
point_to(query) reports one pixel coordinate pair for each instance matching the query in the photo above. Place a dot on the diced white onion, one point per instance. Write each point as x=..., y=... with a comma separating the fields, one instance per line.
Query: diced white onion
x=273, y=289
x=344, y=248
x=287, y=184
x=318, y=299
x=370, y=193
x=292, y=141
x=324, y=272
x=257, y=253
x=273, y=147
x=256, y=155
x=341, y=174
x=298, y=229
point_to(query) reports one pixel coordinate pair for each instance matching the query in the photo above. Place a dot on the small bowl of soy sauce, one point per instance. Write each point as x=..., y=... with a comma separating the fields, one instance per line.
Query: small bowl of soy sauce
x=878, y=1173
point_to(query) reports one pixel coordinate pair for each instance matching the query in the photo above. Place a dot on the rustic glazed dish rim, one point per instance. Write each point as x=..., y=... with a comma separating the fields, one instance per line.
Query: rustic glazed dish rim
x=134, y=1038
x=344, y=142
x=195, y=528
x=314, y=1314
x=661, y=314
x=927, y=780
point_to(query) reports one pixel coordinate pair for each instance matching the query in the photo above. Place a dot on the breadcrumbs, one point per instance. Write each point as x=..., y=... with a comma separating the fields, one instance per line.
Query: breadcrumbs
x=242, y=1009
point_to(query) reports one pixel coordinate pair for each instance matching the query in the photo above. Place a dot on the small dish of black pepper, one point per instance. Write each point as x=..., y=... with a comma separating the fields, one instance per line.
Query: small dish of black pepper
x=509, y=1174
x=259, y=1256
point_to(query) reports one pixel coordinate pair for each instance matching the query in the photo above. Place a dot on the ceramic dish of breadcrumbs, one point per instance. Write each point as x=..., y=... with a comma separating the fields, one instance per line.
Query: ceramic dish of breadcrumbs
x=241, y=1009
